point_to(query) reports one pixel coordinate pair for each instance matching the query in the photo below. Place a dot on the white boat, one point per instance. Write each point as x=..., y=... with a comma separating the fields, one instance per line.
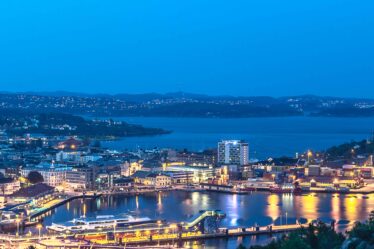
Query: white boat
x=103, y=222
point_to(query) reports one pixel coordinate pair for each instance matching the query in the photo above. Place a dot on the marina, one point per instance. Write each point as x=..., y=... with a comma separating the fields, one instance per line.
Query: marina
x=283, y=212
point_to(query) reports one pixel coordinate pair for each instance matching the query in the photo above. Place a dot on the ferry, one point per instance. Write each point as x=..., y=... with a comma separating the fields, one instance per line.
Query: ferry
x=285, y=188
x=102, y=222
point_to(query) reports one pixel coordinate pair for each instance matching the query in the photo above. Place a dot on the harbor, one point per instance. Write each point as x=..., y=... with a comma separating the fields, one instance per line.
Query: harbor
x=124, y=232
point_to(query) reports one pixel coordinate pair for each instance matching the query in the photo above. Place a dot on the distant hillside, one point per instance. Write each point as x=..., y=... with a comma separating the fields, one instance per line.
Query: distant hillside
x=20, y=122
x=181, y=104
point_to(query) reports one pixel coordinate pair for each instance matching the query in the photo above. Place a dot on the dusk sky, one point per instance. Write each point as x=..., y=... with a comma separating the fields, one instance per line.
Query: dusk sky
x=243, y=47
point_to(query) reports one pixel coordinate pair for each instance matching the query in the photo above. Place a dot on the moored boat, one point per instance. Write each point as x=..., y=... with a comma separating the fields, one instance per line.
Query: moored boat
x=103, y=222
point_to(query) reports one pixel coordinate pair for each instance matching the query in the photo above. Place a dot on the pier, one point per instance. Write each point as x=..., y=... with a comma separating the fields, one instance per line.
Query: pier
x=101, y=237
x=58, y=202
x=204, y=225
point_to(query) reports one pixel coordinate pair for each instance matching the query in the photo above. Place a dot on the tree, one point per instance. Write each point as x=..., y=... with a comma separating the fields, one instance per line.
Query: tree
x=241, y=247
x=362, y=234
x=35, y=177
x=315, y=236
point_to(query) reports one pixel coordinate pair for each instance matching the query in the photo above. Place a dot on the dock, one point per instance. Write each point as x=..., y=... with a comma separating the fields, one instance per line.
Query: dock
x=186, y=236
x=167, y=237
x=56, y=203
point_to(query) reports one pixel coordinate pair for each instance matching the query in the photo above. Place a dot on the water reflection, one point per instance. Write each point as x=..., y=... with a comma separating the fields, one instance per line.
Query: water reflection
x=352, y=208
x=273, y=209
x=308, y=206
x=335, y=207
x=241, y=210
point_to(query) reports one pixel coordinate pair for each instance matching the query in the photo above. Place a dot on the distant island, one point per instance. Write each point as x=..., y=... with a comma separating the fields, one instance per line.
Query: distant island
x=186, y=105
x=20, y=122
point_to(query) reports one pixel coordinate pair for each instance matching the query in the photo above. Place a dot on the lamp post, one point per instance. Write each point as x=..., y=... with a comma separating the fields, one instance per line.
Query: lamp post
x=39, y=227
x=18, y=220
x=114, y=230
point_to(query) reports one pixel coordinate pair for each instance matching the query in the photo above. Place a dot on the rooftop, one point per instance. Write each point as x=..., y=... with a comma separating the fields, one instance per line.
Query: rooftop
x=33, y=191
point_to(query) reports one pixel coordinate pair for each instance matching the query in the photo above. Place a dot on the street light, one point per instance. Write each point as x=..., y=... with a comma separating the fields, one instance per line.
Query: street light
x=18, y=220
x=114, y=227
x=39, y=227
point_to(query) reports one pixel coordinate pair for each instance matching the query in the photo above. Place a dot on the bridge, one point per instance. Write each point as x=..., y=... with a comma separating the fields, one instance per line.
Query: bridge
x=205, y=220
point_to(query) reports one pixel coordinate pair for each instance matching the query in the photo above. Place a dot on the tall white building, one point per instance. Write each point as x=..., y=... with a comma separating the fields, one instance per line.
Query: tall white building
x=233, y=152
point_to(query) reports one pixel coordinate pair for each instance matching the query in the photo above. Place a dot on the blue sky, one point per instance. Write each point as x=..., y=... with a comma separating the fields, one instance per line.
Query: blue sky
x=240, y=47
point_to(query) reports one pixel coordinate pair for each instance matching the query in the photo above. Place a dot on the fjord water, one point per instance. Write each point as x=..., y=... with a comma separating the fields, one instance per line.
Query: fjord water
x=241, y=210
x=268, y=137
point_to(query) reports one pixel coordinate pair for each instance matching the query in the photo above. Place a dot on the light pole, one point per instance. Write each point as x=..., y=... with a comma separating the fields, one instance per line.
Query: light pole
x=39, y=227
x=114, y=230
x=18, y=221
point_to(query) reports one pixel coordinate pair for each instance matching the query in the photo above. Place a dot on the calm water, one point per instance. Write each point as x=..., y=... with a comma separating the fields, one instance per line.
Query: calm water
x=268, y=137
x=241, y=210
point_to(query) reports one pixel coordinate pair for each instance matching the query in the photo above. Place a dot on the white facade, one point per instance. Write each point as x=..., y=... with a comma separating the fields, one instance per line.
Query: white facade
x=53, y=174
x=76, y=156
x=233, y=152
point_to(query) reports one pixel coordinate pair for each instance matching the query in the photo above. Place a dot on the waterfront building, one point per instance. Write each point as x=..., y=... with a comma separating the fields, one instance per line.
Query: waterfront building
x=106, y=177
x=313, y=170
x=233, y=152
x=366, y=172
x=123, y=183
x=200, y=174
x=81, y=177
x=229, y=172
x=180, y=177
x=157, y=180
x=331, y=182
x=54, y=174
x=33, y=193
x=8, y=186
x=247, y=172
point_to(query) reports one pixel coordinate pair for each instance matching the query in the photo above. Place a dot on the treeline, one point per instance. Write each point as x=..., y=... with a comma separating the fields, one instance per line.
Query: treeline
x=59, y=124
x=348, y=150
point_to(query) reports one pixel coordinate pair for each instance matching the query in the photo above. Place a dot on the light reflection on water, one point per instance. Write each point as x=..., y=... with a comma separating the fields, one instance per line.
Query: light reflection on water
x=241, y=210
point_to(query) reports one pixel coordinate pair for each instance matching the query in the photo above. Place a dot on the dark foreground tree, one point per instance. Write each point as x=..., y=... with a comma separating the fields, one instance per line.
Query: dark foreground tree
x=318, y=236
x=362, y=235
x=35, y=177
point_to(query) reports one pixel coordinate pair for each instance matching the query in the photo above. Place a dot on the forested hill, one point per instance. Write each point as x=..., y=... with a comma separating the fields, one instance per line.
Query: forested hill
x=20, y=122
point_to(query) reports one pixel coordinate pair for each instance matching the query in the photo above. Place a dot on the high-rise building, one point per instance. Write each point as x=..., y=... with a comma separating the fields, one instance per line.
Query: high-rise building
x=233, y=152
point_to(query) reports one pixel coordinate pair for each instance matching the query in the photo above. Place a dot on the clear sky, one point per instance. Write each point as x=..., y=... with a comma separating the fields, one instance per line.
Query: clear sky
x=238, y=47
